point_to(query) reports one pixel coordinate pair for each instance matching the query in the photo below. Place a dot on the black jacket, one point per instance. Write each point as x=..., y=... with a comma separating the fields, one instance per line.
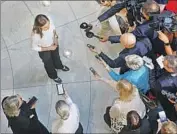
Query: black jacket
x=168, y=83
x=112, y=11
x=141, y=48
x=27, y=122
x=144, y=30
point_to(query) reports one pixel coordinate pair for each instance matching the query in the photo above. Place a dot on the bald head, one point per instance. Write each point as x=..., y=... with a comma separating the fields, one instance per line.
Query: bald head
x=128, y=40
x=151, y=7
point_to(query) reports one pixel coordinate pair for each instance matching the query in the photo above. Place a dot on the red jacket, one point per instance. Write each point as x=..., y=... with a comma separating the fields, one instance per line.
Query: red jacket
x=172, y=6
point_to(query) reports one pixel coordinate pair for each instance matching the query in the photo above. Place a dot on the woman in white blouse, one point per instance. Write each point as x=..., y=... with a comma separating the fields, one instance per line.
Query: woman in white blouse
x=128, y=100
x=45, y=41
x=68, y=117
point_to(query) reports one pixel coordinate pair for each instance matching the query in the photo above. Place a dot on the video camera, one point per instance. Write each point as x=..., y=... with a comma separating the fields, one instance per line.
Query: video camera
x=134, y=3
x=164, y=21
x=133, y=7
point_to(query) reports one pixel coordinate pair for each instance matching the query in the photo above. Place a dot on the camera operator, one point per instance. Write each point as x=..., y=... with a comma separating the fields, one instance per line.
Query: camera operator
x=142, y=30
x=169, y=45
x=132, y=8
x=166, y=42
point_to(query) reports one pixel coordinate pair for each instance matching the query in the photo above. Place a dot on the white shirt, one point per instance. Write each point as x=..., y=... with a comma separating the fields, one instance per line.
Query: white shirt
x=135, y=104
x=46, y=40
x=71, y=124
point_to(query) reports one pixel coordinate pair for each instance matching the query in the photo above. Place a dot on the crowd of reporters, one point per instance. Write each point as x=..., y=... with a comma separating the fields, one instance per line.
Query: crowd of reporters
x=139, y=84
x=146, y=40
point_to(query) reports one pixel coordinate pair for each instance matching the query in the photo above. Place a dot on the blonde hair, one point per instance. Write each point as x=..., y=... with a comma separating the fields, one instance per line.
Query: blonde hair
x=11, y=106
x=169, y=128
x=126, y=90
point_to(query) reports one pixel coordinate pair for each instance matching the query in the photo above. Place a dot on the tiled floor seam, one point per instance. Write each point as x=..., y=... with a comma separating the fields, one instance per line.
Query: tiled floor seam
x=10, y=66
x=50, y=107
x=28, y=8
x=47, y=85
x=89, y=106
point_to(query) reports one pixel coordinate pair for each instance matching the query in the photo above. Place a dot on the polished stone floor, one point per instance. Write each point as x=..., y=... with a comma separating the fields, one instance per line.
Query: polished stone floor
x=22, y=71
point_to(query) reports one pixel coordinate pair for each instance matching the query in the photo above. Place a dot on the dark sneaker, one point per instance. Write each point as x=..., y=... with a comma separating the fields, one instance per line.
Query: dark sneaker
x=65, y=68
x=58, y=80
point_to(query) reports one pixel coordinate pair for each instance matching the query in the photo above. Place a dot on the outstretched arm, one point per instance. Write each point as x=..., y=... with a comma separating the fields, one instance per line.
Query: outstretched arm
x=67, y=98
x=112, y=11
x=118, y=62
x=112, y=83
x=115, y=76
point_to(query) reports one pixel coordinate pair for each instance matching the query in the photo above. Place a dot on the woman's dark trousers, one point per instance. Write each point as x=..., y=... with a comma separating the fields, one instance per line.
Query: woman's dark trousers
x=51, y=60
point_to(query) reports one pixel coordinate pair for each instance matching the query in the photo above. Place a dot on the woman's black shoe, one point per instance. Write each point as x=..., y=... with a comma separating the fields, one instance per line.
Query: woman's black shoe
x=58, y=80
x=65, y=68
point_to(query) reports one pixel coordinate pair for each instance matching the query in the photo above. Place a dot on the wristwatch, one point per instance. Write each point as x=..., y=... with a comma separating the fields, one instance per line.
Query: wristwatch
x=167, y=44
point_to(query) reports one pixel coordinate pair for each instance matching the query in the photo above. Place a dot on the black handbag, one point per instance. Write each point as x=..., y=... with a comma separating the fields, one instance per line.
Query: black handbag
x=150, y=104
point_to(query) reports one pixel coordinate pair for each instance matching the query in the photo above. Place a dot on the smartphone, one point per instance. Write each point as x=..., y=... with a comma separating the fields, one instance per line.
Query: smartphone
x=60, y=89
x=97, y=57
x=90, y=46
x=32, y=101
x=162, y=116
x=93, y=71
x=160, y=61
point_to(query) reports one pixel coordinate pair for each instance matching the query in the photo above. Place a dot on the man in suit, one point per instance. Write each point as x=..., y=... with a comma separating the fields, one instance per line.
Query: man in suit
x=168, y=82
x=131, y=46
